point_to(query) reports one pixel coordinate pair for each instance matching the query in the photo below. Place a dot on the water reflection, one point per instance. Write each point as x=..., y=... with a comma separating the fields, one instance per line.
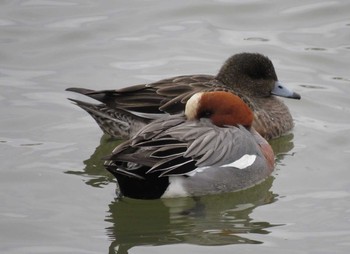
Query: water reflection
x=210, y=220
x=97, y=176
x=282, y=146
x=94, y=171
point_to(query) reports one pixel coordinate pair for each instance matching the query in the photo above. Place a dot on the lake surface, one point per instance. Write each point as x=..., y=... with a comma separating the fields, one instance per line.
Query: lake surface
x=56, y=196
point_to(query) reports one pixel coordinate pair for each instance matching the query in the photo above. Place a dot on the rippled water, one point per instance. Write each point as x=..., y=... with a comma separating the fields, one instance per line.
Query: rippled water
x=57, y=198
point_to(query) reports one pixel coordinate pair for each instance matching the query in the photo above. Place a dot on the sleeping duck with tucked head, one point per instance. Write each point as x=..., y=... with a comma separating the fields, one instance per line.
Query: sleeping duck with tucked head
x=211, y=148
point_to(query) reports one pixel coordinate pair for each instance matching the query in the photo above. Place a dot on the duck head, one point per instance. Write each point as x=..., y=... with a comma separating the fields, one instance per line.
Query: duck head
x=222, y=108
x=253, y=74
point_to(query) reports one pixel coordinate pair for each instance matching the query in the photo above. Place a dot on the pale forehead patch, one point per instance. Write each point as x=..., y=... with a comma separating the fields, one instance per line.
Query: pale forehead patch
x=192, y=105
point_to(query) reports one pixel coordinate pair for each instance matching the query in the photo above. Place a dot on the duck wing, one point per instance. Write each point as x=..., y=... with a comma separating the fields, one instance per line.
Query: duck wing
x=167, y=95
x=180, y=148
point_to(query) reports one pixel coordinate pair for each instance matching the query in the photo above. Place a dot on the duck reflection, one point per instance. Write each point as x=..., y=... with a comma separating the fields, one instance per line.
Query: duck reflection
x=282, y=147
x=97, y=176
x=210, y=220
x=94, y=172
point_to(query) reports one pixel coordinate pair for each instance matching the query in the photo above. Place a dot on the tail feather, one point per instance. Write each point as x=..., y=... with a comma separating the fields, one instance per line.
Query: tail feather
x=80, y=90
x=118, y=123
x=97, y=95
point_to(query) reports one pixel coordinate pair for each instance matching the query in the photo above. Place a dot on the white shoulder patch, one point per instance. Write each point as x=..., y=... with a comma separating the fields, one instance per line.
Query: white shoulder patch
x=243, y=162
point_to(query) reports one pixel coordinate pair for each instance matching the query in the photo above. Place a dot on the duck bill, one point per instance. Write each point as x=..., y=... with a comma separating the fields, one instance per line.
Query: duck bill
x=280, y=90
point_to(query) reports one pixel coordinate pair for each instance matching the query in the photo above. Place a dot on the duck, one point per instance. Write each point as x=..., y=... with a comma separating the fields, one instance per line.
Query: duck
x=210, y=148
x=123, y=112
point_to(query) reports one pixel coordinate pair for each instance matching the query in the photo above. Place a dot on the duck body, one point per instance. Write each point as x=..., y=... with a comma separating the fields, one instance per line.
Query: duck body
x=208, y=150
x=250, y=76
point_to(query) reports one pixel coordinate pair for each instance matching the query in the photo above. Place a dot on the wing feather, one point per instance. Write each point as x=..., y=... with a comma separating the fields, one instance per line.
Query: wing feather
x=198, y=145
x=169, y=152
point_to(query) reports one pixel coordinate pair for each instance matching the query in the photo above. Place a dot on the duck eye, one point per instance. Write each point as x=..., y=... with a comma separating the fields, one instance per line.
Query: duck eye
x=205, y=114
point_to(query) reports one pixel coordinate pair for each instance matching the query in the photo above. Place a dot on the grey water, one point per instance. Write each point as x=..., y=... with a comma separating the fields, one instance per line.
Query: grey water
x=56, y=197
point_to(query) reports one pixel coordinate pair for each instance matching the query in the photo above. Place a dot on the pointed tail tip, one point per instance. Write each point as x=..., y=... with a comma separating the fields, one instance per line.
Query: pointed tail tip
x=79, y=90
x=81, y=104
x=74, y=100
